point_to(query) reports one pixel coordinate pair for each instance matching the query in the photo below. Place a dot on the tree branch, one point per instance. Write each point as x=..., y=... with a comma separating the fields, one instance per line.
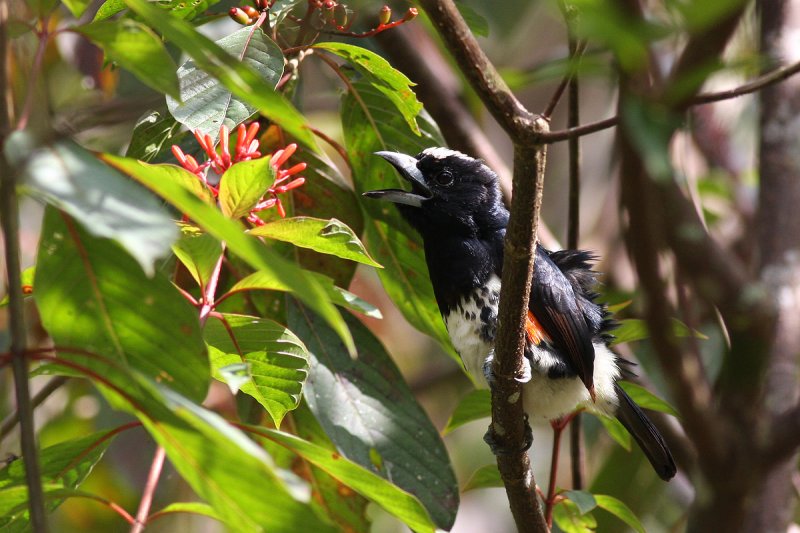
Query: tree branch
x=517, y=121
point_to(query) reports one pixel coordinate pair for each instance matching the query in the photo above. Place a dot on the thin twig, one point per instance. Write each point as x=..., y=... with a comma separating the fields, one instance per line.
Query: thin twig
x=149, y=491
x=576, y=48
x=9, y=218
x=44, y=37
x=12, y=419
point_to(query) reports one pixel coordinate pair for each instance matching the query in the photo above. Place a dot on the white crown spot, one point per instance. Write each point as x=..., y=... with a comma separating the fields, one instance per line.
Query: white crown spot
x=443, y=153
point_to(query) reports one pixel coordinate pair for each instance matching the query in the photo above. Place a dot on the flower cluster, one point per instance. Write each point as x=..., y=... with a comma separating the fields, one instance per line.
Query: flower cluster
x=220, y=159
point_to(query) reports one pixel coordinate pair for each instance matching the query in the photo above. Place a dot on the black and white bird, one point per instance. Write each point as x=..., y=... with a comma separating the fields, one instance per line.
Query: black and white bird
x=454, y=202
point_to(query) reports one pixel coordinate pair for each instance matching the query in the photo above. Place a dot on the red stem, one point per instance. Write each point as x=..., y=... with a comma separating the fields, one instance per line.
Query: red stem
x=149, y=491
x=209, y=293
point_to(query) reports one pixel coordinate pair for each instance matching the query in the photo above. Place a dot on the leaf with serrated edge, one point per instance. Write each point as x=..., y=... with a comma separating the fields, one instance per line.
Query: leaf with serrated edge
x=247, y=247
x=107, y=203
x=360, y=401
x=391, y=240
x=277, y=360
x=243, y=185
x=205, y=103
x=646, y=399
x=620, y=510
x=475, y=405
x=93, y=296
x=393, y=499
x=394, y=85
x=324, y=236
x=487, y=476
x=136, y=48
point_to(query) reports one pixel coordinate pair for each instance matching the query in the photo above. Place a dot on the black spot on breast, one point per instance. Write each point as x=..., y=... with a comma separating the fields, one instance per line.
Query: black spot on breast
x=487, y=314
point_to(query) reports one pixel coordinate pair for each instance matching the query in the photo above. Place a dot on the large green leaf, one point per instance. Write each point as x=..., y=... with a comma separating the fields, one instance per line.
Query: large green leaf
x=276, y=361
x=161, y=179
x=240, y=79
x=205, y=103
x=135, y=47
x=367, y=410
x=392, y=83
x=178, y=8
x=475, y=405
x=93, y=296
x=394, y=500
x=324, y=236
x=391, y=240
x=107, y=203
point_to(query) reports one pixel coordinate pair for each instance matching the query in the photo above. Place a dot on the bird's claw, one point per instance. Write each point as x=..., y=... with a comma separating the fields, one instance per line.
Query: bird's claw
x=499, y=448
x=524, y=375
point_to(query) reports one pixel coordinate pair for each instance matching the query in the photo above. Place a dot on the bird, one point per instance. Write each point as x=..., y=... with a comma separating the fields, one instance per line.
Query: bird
x=454, y=203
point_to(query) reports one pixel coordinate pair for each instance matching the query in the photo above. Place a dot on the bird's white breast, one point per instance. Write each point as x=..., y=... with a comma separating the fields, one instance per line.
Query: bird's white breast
x=472, y=326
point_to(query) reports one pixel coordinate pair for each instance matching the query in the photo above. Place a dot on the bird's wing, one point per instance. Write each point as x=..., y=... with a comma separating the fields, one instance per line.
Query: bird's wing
x=554, y=306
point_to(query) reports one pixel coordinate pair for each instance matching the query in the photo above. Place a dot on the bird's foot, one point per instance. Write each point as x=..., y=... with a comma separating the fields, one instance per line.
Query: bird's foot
x=500, y=448
x=524, y=376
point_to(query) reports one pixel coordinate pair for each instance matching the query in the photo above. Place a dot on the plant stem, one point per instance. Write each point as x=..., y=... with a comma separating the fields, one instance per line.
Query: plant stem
x=12, y=419
x=38, y=59
x=549, y=502
x=209, y=294
x=149, y=491
x=9, y=218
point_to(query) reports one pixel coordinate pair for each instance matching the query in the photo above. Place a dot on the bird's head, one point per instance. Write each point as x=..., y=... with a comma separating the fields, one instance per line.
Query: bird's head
x=450, y=192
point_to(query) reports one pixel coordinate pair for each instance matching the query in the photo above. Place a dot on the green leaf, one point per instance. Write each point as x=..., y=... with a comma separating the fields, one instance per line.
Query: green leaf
x=263, y=280
x=65, y=465
x=276, y=360
x=647, y=399
x=161, y=180
x=478, y=25
x=616, y=430
x=324, y=236
x=205, y=102
x=393, y=499
x=152, y=136
x=136, y=48
x=77, y=7
x=392, y=83
x=243, y=82
x=620, y=510
x=359, y=401
x=197, y=508
x=243, y=185
x=635, y=329
x=475, y=405
x=393, y=243
x=27, y=284
x=107, y=203
x=199, y=253
x=583, y=499
x=109, y=9
x=223, y=466
x=569, y=518
x=487, y=476
x=91, y=295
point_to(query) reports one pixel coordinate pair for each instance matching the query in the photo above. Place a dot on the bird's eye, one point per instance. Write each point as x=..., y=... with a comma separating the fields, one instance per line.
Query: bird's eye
x=444, y=178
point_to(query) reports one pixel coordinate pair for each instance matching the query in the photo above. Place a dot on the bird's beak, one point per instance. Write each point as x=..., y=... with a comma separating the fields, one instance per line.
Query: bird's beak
x=407, y=167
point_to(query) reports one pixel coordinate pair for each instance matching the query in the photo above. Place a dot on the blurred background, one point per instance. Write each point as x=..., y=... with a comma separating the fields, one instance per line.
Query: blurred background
x=527, y=41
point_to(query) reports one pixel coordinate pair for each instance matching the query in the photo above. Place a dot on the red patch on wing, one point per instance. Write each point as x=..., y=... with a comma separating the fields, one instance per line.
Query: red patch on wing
x=534, y=330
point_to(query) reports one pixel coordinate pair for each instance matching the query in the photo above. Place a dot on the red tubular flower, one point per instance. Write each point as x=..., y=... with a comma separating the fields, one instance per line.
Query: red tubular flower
x=219, y=159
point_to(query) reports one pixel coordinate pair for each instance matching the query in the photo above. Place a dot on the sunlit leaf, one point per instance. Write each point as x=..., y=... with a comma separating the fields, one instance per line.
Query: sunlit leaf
x=584, y=500
x=107, y=203
x=620, y=510
x=248, y=248
x=616, y=430
x=324, y=236
x=136, y=48
x=569, y=518
x=646, y=399
x=152, y=136
x=243, y=185
x=394, y=85
x=27, y=284
x=205, y=103
x=276, y=360
x=635, y=329
x=199, y=253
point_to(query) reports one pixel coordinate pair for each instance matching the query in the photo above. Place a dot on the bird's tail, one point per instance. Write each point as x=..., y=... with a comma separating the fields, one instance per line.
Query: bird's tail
x=646, y=435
